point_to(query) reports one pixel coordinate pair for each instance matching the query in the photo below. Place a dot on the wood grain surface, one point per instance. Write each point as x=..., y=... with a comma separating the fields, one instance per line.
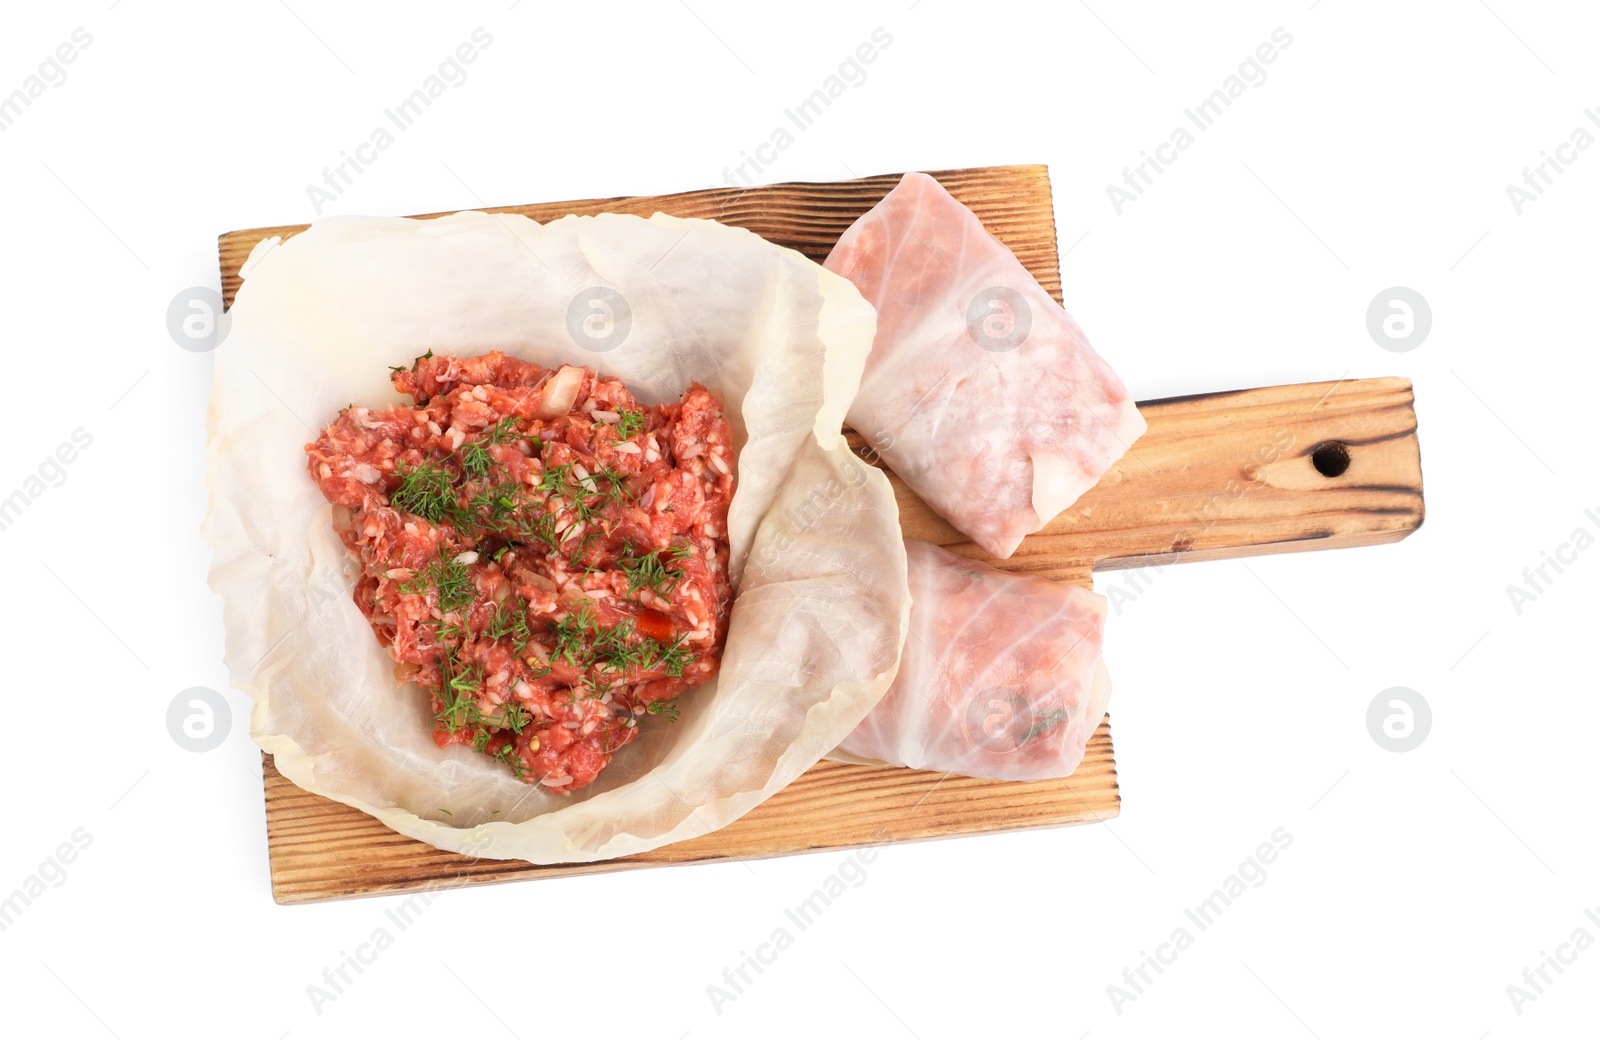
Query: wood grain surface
x=1229, y=474
x=1216, y=475
x=321, y=849
x=1014, y=202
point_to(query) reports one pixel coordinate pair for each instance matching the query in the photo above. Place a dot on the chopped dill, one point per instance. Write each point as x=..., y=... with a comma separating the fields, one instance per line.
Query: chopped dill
x=1050, y=719
x=476, y=460
x=674, y=658
x=493, y=506
x=508, y=754
x=616, y=486
x=425, y=490
x=630, y=424
x=667, y=709
x=581, y=641
x=572, y=636
x=650, y=571
x=506, y=716
x=540, y=527
x=510, y=621
x=556, y=479
x=449, y=580
x=458, y=690
x=606, y=485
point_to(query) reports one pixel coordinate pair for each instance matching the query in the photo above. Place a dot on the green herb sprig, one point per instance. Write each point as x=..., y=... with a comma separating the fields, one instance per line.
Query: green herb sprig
x=650, y=570
x=630, y=424
x=667, y=709
x=426, y=490
x=449, y=580
x=476, y=459
x=581, y=641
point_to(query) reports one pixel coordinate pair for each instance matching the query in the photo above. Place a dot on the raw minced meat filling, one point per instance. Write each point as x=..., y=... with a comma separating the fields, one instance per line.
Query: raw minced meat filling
x=544, y=555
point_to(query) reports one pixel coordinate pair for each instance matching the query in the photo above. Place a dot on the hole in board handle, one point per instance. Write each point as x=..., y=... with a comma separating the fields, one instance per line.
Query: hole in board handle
x=1331, y=458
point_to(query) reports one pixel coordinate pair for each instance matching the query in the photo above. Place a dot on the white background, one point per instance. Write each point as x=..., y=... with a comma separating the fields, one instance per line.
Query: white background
x=1376, y=153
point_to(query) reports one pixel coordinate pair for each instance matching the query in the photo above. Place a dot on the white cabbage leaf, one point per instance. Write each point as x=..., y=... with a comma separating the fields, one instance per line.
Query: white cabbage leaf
x=817, y=557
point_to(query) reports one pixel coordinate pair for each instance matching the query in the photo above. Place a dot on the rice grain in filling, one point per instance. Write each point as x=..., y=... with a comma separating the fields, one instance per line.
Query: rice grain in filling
x=540, y=552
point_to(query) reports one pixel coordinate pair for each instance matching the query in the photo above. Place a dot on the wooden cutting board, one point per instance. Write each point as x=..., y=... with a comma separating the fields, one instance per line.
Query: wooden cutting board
x=1280, y=469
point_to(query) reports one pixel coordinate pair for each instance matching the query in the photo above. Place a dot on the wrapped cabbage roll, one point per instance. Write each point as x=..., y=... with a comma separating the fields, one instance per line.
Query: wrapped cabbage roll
x=980, y=391
x=1000, y=677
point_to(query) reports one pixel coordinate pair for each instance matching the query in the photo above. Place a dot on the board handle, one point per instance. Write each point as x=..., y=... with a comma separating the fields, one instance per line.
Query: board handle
x=1244, y=473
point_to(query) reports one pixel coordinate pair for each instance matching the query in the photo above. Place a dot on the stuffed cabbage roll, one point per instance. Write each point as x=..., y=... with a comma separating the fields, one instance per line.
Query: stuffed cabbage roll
x=1000, y=677
x=980, y=391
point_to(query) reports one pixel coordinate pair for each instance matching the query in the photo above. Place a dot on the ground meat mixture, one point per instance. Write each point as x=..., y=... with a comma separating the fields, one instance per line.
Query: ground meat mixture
x=544, y=555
